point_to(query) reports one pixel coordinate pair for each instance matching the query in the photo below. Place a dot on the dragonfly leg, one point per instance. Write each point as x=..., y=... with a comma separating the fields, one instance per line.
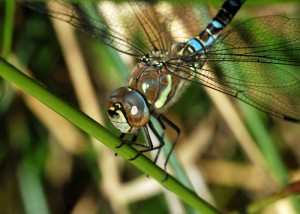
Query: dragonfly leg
x=162, y=118
x=123, y=142
x=132, y=141
x=160, y=137
x=161, y=144
x=148, y=147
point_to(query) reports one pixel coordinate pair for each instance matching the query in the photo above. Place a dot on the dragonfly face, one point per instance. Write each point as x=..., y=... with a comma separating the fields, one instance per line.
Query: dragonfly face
x=127, y=110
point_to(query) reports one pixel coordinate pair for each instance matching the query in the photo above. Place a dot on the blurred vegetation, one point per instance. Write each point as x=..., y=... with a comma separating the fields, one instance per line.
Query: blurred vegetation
x=49, y=166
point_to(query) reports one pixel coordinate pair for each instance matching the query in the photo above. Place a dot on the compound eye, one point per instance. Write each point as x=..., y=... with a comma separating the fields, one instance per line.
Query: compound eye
x=127, y=110
x=136, y=109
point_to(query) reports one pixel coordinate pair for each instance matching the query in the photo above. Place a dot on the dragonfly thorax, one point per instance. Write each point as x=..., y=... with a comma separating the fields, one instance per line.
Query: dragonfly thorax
x=155, y=59
x=127, y=110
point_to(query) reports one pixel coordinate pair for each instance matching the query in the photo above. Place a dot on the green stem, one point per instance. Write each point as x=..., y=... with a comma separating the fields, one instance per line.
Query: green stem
x=94, y=129
x=8, y=26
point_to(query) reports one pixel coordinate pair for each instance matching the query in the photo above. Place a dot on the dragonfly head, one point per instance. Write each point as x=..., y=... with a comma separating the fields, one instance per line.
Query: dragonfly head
x=127, y=110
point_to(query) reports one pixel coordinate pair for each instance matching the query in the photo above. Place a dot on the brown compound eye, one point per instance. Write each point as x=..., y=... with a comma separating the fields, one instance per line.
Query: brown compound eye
x=127, y=110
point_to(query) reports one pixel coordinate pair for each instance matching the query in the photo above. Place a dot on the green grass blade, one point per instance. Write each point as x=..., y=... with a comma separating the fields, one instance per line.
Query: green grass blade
x=31, y=187
x=8, y=26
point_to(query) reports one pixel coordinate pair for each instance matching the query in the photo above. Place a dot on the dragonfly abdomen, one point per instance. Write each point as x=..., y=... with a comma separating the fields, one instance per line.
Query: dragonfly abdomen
x=208, y=36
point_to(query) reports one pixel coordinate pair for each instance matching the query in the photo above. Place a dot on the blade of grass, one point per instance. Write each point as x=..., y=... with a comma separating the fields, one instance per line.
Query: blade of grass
x=264, y=141
x=6, y=93
x=94, y=129
x=269, y=149
x=258, y=206
x=8, y=26
x=31, y=189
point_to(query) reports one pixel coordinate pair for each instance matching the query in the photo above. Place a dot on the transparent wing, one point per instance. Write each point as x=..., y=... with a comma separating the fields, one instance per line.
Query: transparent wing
x=254, y=62
x=131, y=27
x=269, y=39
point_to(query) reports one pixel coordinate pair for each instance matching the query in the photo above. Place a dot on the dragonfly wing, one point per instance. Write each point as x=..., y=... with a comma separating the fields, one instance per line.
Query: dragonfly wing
x=267, y=39
x=134, y=27
x=252, y=62
x=265, y=86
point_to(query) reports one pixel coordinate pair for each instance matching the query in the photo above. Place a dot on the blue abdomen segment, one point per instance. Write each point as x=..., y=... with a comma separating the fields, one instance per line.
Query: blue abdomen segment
x=207, y=37
x=195, y=45
x=221, y=20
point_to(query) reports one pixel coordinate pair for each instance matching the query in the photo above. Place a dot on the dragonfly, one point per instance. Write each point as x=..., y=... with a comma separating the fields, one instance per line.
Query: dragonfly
x=247, y=62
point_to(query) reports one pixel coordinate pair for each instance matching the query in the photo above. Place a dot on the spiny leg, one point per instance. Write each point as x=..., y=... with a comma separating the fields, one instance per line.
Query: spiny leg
x=132, y=141
x=161, y=118
x=122, y=141
x=158, y=136
x=148, y=147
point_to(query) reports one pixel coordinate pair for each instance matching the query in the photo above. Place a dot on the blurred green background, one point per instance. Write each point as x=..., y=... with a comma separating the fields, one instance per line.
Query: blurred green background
x=49, y=166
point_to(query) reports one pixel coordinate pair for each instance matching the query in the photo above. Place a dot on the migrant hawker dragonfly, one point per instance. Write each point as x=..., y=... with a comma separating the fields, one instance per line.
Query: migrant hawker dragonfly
x=246, y=62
